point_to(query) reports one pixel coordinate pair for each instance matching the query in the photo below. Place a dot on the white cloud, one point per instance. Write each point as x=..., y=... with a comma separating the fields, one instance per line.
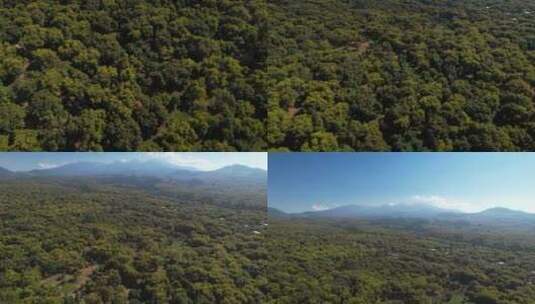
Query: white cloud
x=211, y=160
x=47, y=165
x=445, y=203
x=319, y=207
x=183, y=159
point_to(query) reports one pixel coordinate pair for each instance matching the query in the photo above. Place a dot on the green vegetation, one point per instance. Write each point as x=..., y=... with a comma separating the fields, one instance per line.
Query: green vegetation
x=132, y=75
x=77, y=240
x=316, y=75
x=401, y=75
x=397, y=261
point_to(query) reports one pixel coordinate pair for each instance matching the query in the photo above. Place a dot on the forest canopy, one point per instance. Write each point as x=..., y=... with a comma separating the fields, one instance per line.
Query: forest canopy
x=401, y=75
x=132, y=75
x=305, y=75
x=91, y=240
x=397, y=261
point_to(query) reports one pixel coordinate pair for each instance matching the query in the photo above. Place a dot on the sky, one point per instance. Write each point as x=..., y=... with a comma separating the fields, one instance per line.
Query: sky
x=199, y=160
x=468, y=182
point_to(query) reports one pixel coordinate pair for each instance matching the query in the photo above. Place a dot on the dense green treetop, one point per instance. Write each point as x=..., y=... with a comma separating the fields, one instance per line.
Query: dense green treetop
x=397, y=261
x=132, y=75
x=305, y=75
x=401, y=75
x=65, y=240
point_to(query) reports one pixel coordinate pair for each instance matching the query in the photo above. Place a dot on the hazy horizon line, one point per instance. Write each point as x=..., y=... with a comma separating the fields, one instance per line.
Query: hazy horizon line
x=446, y=210
x=185, y=167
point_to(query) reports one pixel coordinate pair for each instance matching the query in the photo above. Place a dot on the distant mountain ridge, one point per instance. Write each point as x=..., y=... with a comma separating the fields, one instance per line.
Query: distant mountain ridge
x=134, y=167
x=497, y=215
x=383, y=211
x=4, y=173
x=274, y=212
x=234, y=186
x=233, y=171
x=151, y=168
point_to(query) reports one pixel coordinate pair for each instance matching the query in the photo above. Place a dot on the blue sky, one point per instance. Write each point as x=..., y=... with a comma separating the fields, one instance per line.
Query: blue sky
x=467, y=182
x=199, y=160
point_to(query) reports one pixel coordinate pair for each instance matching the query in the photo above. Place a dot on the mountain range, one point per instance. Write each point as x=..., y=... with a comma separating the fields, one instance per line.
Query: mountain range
x=498, y=215
x=152, y=168
x=383, y=211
